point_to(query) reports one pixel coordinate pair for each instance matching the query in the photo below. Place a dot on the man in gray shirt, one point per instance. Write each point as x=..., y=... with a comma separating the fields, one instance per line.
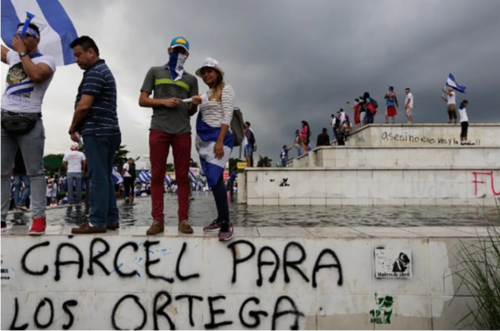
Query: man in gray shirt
x=170, y=126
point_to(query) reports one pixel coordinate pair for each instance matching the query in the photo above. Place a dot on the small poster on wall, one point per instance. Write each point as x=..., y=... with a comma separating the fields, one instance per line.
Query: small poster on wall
x=393, y=263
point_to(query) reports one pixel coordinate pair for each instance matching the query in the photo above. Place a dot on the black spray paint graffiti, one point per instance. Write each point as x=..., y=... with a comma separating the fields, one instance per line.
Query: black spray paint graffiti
x=284, y=182
x=266, y=256
x=408, y=138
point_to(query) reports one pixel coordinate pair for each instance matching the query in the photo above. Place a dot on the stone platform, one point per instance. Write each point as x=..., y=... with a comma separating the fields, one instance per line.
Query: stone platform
x=270, y=277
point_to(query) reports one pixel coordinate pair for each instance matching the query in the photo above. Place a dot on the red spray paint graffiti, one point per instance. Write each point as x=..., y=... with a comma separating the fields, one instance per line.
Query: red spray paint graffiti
x=492, y=181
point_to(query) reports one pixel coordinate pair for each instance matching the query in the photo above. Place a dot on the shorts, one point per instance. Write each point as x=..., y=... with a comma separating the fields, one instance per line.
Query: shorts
x=409, y=112
x=452, y=107
x=391, y=111
x=248, y=151
x=465, y=126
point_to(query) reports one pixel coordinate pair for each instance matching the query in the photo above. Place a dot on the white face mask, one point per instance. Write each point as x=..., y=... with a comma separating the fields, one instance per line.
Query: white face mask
x=179, y=68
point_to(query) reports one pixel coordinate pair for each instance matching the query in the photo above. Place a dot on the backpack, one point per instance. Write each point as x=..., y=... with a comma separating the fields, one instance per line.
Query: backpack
x=252, y=138
x=131, y=169
x=237, y=127
x=374, y=103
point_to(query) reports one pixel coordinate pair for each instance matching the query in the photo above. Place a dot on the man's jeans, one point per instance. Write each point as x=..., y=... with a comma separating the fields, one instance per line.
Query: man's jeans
x=77, y=177
x=369, y=118
x=31, y=145
x=100, y=152
x=18, y=180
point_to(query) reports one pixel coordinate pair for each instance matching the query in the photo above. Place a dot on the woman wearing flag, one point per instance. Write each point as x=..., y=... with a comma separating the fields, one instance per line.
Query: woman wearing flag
x=214, y=141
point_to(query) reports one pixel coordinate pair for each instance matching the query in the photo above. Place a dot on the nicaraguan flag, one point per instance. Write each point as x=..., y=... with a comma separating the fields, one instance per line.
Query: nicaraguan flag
x=168, y=180
x=117, y=177
x=206, y=136
x=56, y=29
x=451, y=82
x=192, y=177
x=144, y=176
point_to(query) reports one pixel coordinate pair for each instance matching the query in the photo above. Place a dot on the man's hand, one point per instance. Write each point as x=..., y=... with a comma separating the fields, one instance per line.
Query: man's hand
x=18, y=45
x=219, y=150
x=172, y=102
x=75, y=137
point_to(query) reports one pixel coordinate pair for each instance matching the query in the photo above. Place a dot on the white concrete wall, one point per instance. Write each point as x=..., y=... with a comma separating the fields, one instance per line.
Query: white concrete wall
x=388, y=135
x=53, y=282
x=402, y=187
x=404, y=157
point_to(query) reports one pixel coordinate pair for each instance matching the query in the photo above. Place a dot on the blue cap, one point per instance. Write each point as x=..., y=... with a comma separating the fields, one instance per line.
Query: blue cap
x=180, y=41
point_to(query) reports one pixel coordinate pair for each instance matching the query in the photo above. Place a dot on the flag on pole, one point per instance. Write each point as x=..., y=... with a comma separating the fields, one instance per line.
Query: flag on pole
x=56, y=29
x=451, y=82
x=144, y=176
x=117, y=177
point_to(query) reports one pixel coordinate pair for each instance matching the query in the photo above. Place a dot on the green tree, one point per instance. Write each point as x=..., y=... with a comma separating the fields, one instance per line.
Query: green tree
x=264, y=162
x=194, y=164
x=170, y=167
x=119, y=155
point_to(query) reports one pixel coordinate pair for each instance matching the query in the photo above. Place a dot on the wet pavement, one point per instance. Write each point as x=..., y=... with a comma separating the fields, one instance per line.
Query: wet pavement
x=202, y=211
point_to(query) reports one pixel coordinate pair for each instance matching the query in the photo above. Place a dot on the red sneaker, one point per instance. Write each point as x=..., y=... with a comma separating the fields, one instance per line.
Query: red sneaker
x=38, y=226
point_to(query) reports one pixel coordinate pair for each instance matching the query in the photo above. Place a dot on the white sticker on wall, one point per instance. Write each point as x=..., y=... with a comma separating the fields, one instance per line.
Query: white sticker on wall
x=393, y=263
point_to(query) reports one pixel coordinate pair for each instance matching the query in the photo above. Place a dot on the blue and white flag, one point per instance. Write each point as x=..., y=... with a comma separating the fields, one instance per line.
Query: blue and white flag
x=192, y=177
x=451, y=82
x=168, y=180
x=117, y=177
x=206, y=137
x=56, y=29
x=145, y=176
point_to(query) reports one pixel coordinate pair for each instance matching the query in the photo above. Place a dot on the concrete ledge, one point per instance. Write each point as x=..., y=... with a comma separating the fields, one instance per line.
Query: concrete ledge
x=265, y=278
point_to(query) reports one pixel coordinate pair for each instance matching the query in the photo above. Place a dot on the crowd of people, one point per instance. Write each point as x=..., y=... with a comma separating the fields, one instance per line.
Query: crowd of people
x=168, y=89
x=364, y=110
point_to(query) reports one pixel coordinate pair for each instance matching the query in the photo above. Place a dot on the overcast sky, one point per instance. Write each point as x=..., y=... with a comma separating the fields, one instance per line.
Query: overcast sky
x=289, y=60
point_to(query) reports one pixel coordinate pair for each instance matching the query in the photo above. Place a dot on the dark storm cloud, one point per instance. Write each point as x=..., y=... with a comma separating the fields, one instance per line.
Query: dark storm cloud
x=295, y=60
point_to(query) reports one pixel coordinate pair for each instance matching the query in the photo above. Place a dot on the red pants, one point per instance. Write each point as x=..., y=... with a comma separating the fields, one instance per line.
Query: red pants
x=159, y=145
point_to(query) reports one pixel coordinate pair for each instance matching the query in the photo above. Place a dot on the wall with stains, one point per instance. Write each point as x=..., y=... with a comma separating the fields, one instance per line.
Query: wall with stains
x=270, y=278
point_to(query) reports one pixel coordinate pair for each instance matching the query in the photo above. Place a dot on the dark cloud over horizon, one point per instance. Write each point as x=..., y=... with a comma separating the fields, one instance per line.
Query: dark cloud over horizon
x=292, y=60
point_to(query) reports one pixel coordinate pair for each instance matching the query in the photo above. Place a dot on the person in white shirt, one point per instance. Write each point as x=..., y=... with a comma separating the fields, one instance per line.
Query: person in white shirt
x=409, y=105
x=28, y=78
x=74, y=162
x=128, y=179
x=451, y=105
x=464, y=122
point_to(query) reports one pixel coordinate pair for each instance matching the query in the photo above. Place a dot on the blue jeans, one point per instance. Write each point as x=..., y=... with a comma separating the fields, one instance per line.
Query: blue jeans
x=220, y=196
x=77, y=177
x=369, y=117
x=31, y=145
x=100, y=152
x=17, y=189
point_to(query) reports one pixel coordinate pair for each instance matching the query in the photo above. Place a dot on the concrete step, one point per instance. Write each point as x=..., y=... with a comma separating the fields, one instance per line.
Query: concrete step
x=346, y=157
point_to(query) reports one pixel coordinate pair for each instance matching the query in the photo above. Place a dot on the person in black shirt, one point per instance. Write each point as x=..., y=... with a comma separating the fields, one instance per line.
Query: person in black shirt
x=323, y=138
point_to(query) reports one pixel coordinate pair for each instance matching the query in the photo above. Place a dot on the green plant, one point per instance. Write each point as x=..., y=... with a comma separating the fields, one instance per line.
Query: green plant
x=479, y=272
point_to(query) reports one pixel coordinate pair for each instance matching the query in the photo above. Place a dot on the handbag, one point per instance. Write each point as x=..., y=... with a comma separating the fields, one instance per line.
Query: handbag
x=19, y=123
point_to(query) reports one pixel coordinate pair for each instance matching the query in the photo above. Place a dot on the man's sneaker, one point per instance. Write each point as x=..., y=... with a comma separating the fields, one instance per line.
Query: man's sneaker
x=156, y=228
x=214, y=226
x=22, y=208
x=184, y=227
x=4, y=226
x=113, y=226
x=87, y=228
x=38, y=226
x=226, y=231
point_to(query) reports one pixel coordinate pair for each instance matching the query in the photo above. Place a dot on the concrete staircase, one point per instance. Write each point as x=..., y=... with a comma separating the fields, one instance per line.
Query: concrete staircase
x=403, y=165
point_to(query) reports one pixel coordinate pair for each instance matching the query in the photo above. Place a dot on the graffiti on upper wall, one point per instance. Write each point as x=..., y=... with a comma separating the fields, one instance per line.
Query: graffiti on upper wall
x=422, y=139
x=272, y=266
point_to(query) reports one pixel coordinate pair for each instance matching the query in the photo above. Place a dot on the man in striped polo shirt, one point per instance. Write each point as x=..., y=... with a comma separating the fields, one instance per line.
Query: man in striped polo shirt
x=96, y=121
x=170, y=126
